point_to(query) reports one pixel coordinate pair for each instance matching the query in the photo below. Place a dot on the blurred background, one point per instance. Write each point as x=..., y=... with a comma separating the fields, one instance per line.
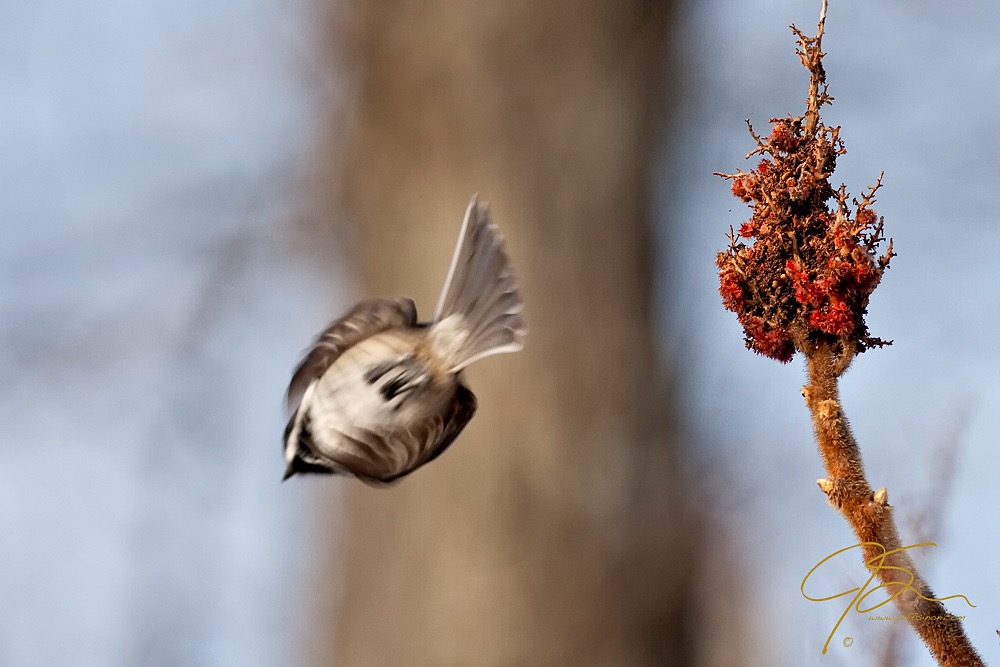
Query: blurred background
x=191, y=191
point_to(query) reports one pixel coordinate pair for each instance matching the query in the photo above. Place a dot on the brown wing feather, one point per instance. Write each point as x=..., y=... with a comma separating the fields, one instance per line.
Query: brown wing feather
x=365, y=319
x=381, y=460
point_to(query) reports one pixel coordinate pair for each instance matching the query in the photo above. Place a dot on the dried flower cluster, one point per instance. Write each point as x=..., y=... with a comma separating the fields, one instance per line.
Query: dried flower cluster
x=800, y=272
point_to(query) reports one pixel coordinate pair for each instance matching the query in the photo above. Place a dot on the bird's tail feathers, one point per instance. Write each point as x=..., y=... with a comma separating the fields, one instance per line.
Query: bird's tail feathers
x=479, y=311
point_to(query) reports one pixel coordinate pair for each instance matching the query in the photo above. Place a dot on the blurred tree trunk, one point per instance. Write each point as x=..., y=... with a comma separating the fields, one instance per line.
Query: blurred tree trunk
x=550, y=533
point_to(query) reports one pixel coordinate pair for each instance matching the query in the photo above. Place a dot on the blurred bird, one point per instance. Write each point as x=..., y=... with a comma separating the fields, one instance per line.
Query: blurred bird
x=380, y=394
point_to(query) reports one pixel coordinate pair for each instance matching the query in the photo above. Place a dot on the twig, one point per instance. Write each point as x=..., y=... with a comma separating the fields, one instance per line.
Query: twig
x=871, y=517
x=799, y=277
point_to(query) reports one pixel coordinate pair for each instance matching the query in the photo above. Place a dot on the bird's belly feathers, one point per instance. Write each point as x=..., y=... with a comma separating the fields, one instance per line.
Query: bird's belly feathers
x=347, y=400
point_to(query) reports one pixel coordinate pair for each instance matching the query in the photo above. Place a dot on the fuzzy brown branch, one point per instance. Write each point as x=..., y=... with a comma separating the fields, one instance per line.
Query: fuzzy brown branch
x=871, y=517
x=799, y=275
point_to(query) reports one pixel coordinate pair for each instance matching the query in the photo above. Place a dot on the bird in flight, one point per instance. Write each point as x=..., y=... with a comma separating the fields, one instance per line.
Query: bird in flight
x=381, y=394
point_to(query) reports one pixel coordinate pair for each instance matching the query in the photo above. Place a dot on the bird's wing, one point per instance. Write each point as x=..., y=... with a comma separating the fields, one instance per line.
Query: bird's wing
x=381, y=458
x=365, y=319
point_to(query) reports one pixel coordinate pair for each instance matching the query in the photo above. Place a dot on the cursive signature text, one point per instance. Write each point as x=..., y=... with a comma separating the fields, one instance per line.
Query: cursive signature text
x=875, y=565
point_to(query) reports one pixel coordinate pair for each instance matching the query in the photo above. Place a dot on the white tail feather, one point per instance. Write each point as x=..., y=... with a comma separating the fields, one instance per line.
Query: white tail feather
x=479, y=311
